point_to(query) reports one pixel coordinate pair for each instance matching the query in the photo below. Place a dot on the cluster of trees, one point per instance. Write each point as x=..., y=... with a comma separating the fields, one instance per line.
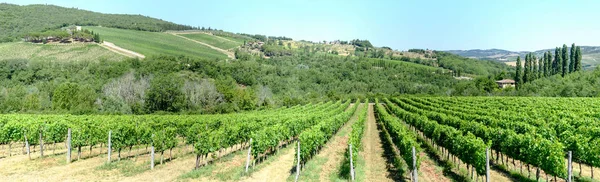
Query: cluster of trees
x=471, y=66
x=17, y=20
x=63, y=36
x=561, y=63
x=361, y=43
x=265, y=38
x=420, y=51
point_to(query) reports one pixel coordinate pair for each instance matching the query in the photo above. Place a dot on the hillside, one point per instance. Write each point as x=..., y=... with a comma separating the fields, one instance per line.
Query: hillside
x=591, y=55
x=156, y=43
x=17, y=20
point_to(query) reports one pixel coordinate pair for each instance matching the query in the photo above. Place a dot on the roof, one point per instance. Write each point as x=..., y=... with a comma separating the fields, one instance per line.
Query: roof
x=505, y=81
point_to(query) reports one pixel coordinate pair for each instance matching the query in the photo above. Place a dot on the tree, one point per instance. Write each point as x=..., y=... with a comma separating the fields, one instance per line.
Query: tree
x=527, y=69
x=578, y=65
x=548, y=64
x=557, y=61
x=165, y=94
x=541, y=68
x=534, y=67
x=518, y=74
x=572, y=59
x=565, y=60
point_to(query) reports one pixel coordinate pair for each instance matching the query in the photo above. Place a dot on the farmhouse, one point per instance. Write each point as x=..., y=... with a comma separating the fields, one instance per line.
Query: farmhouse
x=505, y=83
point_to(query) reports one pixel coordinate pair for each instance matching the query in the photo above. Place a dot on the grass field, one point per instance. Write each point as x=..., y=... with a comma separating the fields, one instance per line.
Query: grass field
x=155, y=43
x=71, y=52
x=219, y=42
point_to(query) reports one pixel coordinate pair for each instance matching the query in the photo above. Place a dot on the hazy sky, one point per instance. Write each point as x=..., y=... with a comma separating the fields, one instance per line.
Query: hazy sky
x=442, y=25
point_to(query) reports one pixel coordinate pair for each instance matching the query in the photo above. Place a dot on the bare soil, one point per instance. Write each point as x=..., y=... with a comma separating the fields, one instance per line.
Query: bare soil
x=278, y=170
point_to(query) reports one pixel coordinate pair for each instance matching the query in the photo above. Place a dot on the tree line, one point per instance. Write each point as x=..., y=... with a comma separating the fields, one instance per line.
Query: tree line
x=564, y=61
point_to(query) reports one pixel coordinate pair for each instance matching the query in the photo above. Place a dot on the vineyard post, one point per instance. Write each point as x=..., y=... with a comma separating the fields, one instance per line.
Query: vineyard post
x=487, y=165
x=69, y=146
x=414, y=155
x=248, y=157
x=351, y=164
x=27, y=146
x=41, y=145
x=570, y=167
x=298, y=164
x=109, y=144
x=152, y=154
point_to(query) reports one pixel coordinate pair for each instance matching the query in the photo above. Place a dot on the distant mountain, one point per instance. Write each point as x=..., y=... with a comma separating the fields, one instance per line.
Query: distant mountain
x=591, y=55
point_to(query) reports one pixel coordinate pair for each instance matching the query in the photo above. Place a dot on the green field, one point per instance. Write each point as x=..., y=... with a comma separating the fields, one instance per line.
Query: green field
x=219, y=42
x=71, y=52
x=156, y=43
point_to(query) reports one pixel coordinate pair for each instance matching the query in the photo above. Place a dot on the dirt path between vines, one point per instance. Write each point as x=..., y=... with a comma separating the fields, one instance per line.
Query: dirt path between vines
x=334, y=149
x=229, y=54
x=171, y=170
x=122, y=51
x=375, y=162
x=278, y=170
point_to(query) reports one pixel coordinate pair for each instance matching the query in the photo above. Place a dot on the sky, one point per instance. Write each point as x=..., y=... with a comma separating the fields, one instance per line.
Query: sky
x=514, y=25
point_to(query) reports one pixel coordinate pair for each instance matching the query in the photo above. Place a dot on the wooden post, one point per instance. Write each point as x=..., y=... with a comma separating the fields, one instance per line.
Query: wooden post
x=298, y=164
x=109, y=145
x=570, y=168
x=152, y=154
x=69, y=146
x=248, y=157
x=27, y=146
x=487, y=165
x=351, y=163
x=41, y=145
x=415, y=173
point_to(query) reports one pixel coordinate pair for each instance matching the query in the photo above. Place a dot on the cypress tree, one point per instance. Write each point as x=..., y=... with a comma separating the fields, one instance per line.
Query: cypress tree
x=572, y=59
x=526, y=69
x=534, y=67
x=518, y=74
x=557, y=62
x=541, y=68
x=549, y=64
x=565, y=60
x=578, y=66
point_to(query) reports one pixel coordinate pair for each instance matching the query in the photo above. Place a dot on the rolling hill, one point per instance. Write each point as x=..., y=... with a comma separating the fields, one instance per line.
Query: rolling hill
x=591, y=55
x=156, y=43
x=17, y=20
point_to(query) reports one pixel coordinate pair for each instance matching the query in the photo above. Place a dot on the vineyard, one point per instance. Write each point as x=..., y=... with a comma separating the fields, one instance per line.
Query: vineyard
x=471, y=138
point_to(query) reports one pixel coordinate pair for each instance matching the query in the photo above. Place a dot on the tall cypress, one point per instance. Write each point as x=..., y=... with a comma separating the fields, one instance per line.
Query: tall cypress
x=578, y=65
x=541, y=71
x=526, y=69
x=557, y=62
x=518, y=74
x=565, y=60
x=549, y=64
x=534, y=67
x=572, y=59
